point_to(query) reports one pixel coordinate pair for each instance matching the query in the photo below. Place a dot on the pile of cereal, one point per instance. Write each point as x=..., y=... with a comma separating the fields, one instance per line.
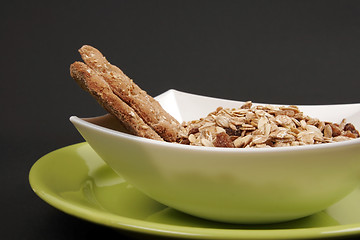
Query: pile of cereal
x=263, y=126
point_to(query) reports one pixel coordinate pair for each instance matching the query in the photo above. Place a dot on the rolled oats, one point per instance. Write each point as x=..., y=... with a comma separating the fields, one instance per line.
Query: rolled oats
x=263, y=126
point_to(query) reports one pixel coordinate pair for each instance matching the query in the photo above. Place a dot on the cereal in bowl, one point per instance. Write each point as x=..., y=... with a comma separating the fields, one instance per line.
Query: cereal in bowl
x=263, y=126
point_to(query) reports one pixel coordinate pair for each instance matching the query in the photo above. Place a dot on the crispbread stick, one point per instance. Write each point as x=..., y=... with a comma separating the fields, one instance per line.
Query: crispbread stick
x=95, y=84
x=143, y=104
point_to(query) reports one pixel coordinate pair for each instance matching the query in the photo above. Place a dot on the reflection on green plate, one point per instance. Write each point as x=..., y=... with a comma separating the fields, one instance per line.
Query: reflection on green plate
x=75, y=180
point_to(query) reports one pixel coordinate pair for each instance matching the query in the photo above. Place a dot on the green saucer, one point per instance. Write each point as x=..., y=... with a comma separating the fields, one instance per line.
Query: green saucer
x=75, y=180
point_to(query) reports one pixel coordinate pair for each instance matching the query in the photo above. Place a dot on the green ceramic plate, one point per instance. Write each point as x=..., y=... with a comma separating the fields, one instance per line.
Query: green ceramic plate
x=75, y=180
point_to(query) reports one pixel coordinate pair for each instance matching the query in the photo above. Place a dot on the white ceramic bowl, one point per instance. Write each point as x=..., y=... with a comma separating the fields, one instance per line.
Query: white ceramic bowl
x=263, y=185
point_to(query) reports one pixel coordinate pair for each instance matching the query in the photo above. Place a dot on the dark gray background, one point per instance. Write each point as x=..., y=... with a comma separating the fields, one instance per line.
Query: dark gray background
x=290, y=52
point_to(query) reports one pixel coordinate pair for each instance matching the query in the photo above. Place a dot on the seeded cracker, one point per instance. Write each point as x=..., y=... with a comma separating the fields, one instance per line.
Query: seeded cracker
x=143, y=104
x=90, y=81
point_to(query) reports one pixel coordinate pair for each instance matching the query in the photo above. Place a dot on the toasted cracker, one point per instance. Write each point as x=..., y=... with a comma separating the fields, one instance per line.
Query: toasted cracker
x=95, y=84
x=129, y=92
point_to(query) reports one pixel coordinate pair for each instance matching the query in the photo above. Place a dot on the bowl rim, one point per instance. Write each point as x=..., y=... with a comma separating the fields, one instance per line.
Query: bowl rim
x=311, y=147
x=175, y=91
